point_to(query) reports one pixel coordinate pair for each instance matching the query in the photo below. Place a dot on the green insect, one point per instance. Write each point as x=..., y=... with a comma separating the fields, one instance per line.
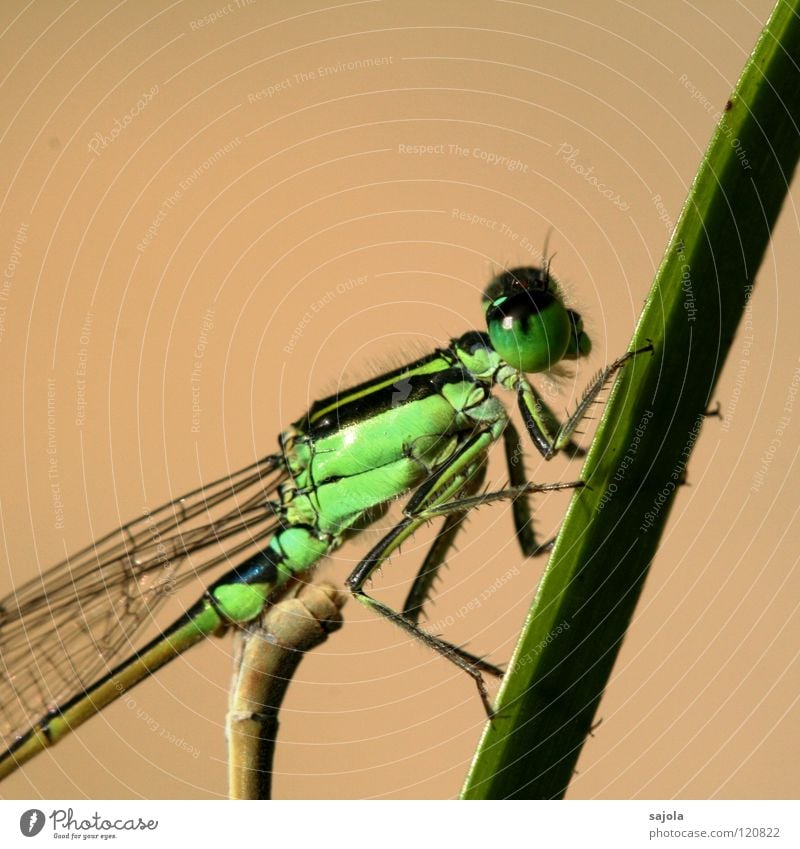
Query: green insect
x=423, y=429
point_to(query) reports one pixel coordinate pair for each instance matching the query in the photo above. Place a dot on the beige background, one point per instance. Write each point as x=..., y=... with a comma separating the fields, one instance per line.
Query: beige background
x=313, y=190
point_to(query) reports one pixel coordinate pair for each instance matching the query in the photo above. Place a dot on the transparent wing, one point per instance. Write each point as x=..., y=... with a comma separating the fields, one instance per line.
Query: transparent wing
x=64, y=629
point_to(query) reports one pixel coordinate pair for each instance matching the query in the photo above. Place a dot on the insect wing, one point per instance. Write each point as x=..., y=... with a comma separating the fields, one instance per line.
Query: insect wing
x=64, y=629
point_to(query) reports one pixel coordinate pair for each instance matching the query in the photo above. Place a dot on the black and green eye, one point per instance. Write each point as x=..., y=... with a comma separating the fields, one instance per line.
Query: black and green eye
x=529, y=326
x=526, y=278
x=581, y=344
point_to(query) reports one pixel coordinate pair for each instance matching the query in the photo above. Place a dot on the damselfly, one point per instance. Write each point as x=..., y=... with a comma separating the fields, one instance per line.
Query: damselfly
x=423, y=429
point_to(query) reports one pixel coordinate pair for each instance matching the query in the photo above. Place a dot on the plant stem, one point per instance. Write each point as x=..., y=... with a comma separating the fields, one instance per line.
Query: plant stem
x=637, y=461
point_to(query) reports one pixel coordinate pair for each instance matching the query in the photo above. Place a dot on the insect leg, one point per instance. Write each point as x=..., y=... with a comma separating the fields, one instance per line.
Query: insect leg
x=434, y=497
x=540, y=425
x=423, y=583
x=520, y=507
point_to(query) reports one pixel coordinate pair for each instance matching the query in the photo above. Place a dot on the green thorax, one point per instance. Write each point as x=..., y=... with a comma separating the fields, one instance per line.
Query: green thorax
x=360, y=448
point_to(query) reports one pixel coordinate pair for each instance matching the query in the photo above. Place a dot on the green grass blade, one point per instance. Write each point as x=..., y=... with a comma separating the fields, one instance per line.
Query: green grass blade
x=653, y=418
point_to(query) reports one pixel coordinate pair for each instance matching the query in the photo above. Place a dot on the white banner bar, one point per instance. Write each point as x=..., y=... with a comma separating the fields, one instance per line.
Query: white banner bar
x=402, y=825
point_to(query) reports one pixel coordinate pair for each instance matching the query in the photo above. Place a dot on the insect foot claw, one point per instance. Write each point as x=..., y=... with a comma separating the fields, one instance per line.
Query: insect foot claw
x=499, y=714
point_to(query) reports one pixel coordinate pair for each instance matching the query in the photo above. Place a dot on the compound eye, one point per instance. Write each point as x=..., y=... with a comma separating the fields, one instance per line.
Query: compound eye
x=580, y=344
x=525, y=278
x=530, y=330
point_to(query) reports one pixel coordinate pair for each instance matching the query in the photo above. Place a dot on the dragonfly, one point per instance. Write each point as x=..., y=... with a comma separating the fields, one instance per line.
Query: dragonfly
x=422, y=432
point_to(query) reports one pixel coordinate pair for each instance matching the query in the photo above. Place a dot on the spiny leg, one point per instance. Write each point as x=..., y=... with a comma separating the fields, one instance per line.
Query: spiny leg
x=551, y=424
x=431, y=499
x=473, y=501
x=423, y=583
x=458, y=510
x=532, y=408
x=520, y=507
x=523, y=520
x=422, y=586
x=443, y=485
x=455, y=512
